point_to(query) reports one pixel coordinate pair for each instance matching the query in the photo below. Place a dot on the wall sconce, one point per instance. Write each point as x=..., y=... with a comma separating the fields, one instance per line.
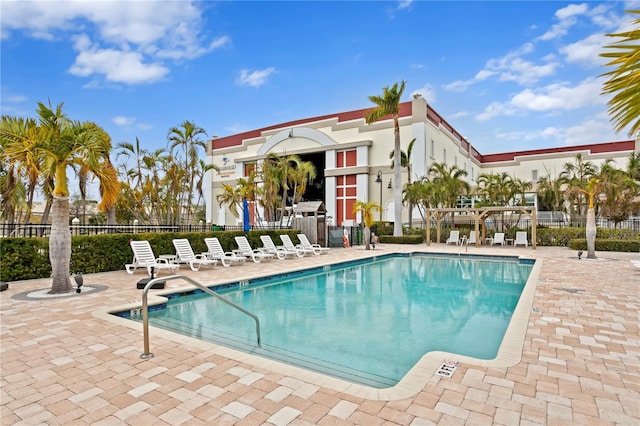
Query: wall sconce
x=389, y=186
x=291, y=133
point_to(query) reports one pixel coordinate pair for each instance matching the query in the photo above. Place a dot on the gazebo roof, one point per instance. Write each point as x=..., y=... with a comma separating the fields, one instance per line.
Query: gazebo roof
x=310, y=207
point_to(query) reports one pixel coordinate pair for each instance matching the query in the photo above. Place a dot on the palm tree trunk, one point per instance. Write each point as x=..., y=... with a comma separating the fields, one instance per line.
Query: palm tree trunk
x=60, y=246
x=366, y=234
x=591, y=233
x=397, y=186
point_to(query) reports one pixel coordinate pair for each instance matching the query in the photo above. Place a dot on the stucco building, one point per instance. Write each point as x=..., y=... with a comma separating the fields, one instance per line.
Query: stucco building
x=349, y=154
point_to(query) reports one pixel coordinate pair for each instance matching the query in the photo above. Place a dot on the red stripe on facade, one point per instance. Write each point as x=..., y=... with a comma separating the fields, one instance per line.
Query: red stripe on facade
x=593, y=148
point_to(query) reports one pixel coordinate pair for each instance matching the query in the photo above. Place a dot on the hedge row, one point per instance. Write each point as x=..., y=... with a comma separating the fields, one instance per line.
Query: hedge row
x=28, y=258
x=607, y=245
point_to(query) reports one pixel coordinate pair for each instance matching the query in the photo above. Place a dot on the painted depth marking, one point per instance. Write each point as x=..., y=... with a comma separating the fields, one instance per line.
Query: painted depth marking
x=447, y=368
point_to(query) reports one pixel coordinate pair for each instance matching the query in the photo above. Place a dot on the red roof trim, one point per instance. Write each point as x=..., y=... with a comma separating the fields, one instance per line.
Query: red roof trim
x=237, y=139
x=598, y=148
x=437, y=120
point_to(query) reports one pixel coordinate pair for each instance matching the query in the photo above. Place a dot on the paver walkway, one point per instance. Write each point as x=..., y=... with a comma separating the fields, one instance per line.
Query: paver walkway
x=62, y=365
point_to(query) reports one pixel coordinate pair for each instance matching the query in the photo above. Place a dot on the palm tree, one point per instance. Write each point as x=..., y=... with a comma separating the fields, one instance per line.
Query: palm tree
x=624, y=80
x=367, y=218
x=63, y=143
x=187, y=137
x=620, y=192
x=591, y=190
x=129, y=150
x=450, y=182
x=302, y=175
x=633, y=166
x=389, y=105
x=405, y=159
x=578, y=174
x=550, y=193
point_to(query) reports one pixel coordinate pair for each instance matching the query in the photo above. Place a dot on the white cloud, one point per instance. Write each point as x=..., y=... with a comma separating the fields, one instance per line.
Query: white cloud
x=567, y=19
x=254, y=78
x=571, y=11
x=137, y=35
x=123, y=121
x=550, y=99
x=404, y=4
x=116, y=66
x=586, y=51
x=560, y=96
x=589, y=131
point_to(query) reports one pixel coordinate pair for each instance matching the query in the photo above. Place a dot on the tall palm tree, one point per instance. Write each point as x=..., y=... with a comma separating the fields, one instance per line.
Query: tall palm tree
x=405, y=159
x=624, y=81
x=186, y=138
x=389, y=105
x=136, y=152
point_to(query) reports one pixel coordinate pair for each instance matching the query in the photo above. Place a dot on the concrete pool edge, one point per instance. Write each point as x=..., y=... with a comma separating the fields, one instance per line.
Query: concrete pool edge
x=509, y=353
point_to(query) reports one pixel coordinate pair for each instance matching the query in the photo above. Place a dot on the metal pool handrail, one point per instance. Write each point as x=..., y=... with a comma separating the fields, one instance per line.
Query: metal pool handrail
x=145, y=308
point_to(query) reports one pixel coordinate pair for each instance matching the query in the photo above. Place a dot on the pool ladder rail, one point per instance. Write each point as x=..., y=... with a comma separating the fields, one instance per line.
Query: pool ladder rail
x=463, y=243
x=145, y=308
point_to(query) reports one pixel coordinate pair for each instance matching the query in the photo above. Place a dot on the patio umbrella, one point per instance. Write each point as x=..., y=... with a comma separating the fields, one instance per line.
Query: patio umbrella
x=245, y=219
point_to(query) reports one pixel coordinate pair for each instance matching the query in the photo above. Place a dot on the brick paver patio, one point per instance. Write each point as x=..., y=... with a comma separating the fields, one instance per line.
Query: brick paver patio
x=62, y=363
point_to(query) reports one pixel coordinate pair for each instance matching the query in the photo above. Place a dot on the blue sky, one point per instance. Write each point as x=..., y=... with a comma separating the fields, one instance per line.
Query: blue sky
x=508, y=75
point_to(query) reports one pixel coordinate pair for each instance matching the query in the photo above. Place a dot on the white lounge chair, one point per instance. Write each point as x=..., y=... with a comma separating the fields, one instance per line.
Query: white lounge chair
x=306, y=244
x=143, y=257
x=521, y=238
x=288, y=244
x=245, y=249
x=185, y=254
x=454, y=238
x=281, y=252
x=472, y=238
x=217, y=252
x=498, y=238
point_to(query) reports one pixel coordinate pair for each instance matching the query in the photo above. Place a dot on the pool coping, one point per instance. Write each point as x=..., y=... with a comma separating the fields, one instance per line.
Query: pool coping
x=509, y=353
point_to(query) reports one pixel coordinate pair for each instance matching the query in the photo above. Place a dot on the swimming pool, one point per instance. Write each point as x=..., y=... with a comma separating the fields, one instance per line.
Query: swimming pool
x=367, y=322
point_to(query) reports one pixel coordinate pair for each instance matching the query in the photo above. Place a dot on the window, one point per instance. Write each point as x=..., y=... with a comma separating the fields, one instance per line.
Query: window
x=455, y=160
x=433, y=149
x=346, y=158
x=534, y=175
x=444, y=155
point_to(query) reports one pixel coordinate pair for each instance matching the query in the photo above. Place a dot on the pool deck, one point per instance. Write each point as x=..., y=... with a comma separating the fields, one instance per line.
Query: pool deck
x=65, y=361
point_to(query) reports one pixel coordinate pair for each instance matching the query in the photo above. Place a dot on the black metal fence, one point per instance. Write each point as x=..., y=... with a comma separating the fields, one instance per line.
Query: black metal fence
x=39, y=230
x=496, y=223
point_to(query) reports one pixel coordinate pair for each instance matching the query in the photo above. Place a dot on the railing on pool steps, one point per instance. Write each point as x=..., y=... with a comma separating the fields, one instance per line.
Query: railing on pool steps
x=145, y=308
x=463, y=243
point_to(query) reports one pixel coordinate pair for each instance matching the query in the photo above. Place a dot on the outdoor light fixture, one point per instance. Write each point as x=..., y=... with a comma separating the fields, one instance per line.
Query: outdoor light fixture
x=291, y=133
x=579, y=254
x=379, y=182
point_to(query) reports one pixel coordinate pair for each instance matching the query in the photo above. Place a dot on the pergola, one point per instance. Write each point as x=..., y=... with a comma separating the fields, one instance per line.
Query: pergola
x=479, y=215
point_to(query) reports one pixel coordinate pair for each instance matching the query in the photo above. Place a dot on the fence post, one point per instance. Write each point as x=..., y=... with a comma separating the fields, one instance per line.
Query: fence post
x=75, y=222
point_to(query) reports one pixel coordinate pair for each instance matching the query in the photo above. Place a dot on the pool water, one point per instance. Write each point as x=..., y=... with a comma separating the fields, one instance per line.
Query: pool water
x=368, y=323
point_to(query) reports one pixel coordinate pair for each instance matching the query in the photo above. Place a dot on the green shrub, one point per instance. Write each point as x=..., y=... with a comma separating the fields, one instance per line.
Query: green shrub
x=28, y=258
x=607, y=245
x=405, y=239
x=562, y=236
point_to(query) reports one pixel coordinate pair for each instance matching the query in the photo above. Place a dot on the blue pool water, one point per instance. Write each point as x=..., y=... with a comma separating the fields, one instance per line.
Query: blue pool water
x=368, y=322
